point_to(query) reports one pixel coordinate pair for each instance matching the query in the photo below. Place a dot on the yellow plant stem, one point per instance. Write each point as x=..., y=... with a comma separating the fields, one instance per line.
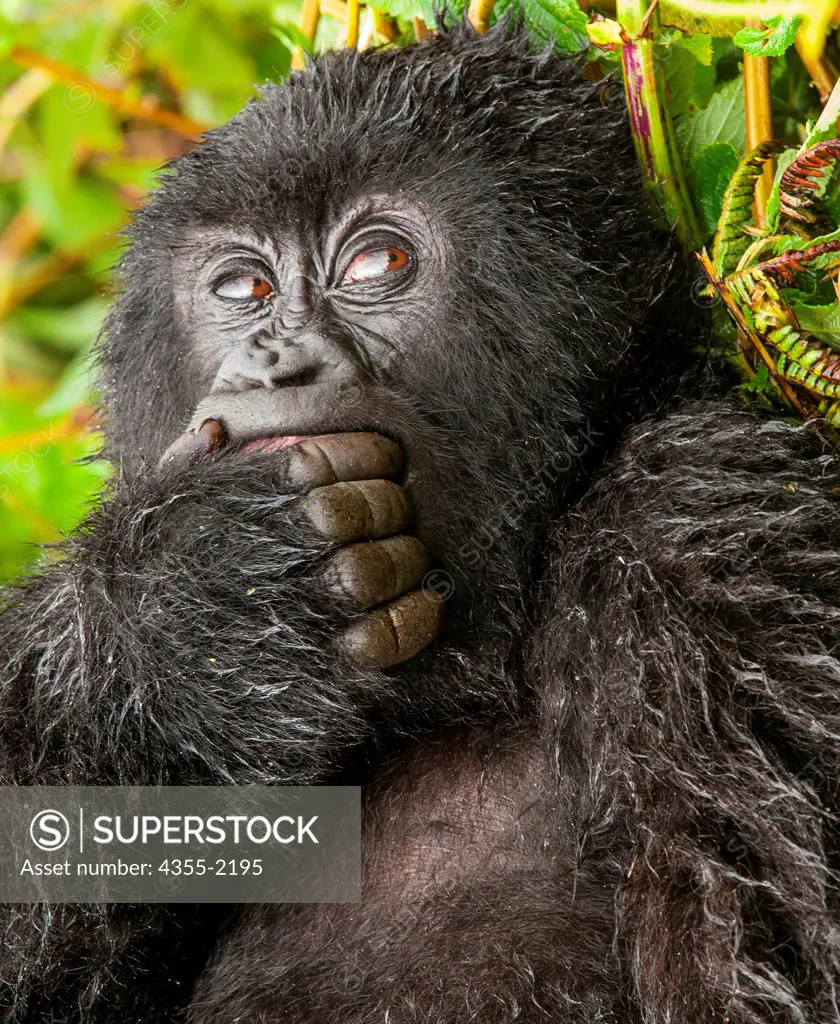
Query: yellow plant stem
x=335, y=9
x=19, y=97
x=386, y=27
x=353, y=15
x=822, y=73
x=88, y=89
x=310, y=15
x=725, y=17
x=759, y=120
x=479, y=14
x=366, y=29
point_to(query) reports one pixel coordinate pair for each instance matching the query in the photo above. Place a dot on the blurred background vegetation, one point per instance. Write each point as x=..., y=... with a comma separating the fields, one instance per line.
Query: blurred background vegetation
x=93, y=98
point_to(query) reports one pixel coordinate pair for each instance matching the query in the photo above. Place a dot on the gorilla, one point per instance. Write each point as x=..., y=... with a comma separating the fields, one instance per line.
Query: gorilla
x=417, y=487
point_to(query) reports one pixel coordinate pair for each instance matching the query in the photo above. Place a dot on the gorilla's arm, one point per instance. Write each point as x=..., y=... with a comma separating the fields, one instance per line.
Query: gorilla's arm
x=192, y=632
x=190, y=636
x=691, y=670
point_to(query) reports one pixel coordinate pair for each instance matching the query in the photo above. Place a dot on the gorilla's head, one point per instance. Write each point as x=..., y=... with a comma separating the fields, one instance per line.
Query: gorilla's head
x=446, y=243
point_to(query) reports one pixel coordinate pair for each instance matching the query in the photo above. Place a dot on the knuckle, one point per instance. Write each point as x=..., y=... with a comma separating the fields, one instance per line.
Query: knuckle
x=394, y=633
x=355, y=510
x=371, y=572
x=332, y=458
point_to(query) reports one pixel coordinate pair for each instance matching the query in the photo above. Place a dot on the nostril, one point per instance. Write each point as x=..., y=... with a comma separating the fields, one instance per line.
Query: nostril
x=259, y=350
x=297, y=380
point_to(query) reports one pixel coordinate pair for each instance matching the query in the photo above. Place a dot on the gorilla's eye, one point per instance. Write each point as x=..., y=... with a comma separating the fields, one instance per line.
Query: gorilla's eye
x=246, y=286
x=375, y=263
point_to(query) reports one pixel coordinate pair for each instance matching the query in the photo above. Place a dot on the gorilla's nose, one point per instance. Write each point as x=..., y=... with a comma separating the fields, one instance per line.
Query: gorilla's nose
x=281, y=360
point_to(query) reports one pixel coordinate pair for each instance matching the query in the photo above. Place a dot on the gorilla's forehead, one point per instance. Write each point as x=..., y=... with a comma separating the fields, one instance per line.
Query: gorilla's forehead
x=448, y=119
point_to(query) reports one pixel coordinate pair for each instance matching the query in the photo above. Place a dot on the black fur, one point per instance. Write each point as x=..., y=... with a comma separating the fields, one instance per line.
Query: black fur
x=607, y=793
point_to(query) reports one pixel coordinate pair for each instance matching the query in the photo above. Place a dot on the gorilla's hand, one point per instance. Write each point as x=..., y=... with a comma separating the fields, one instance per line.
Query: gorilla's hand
x=243, y=607
x=349, y=497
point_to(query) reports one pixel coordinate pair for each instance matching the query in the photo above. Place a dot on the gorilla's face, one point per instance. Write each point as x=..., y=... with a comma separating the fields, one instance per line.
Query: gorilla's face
x=341, y=317
x=312, y=304
x=431, y=245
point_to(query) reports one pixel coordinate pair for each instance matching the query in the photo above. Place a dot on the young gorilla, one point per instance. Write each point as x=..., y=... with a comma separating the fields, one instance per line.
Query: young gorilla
x=400, y=305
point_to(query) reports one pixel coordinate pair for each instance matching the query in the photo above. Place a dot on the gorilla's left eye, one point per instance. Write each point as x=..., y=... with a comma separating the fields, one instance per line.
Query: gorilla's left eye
x=375, y=263
x=246, y=286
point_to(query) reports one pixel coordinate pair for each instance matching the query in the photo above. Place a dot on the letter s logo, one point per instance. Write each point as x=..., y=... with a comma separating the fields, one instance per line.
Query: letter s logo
x=49, y=830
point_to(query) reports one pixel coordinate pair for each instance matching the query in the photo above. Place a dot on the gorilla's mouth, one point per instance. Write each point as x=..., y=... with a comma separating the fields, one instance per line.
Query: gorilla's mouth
x=265, y=422
x=269, y=445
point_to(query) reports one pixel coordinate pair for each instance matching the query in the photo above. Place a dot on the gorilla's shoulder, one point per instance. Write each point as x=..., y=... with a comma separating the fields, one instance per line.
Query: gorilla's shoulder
x=713, y=475
x=715, y=519
x=696, y=591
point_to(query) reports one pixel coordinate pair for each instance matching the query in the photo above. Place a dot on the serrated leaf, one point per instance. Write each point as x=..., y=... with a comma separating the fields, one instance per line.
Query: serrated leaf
x=560, y=20
x=773, y=41
x=722, y=120
x=821, y=321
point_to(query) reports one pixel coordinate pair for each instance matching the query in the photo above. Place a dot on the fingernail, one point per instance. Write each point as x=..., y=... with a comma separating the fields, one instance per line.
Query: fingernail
x=212, y=432
x=195, y=444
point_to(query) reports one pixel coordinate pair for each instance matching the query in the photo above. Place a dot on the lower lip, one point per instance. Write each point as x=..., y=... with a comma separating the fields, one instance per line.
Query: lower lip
x=267, y=445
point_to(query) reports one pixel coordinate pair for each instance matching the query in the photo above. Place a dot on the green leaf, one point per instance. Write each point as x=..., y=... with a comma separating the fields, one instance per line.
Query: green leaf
x=291, y=36
x=559, y=20
x=77, y=212
x=779, y=36
x=218, y=67
x=821, y=321
x=409, y=9
x=604, y=32
x=64, y=329
x=698, y=44
x=709, y=174
x=690, y=84
x=73, y=389
x=722, y=120
x=44, y=490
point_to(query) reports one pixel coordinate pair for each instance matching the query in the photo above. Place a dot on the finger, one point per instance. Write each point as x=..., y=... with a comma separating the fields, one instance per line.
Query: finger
x=395, y=632
x=330, y=458
x=373, y=572
x=194, y=445
x=266, y=412
x=354, y=511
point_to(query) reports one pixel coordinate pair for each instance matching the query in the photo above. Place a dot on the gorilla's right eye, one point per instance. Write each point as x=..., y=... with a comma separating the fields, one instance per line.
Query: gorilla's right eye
x=245, y=286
